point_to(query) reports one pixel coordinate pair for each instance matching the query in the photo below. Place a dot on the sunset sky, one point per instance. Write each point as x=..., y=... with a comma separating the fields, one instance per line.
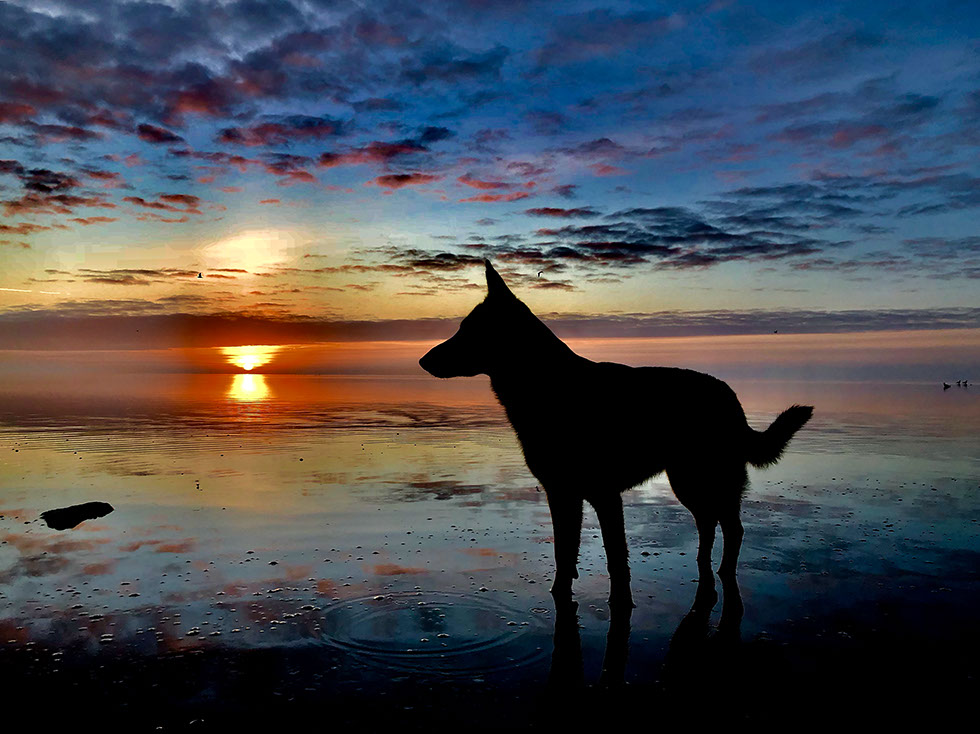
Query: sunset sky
x=339, y=170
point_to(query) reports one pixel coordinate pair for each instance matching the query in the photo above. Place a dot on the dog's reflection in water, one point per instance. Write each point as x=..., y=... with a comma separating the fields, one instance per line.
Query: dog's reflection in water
x=693, y=655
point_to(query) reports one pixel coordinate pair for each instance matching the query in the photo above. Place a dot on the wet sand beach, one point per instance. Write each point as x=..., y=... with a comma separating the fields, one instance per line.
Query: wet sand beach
x=334, y=551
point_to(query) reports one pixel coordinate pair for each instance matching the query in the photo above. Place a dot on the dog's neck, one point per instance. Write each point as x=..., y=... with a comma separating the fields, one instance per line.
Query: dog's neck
x=538, y=360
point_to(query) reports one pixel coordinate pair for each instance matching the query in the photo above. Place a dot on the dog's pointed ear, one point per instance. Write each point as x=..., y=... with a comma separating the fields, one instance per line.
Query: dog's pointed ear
x=496, y=287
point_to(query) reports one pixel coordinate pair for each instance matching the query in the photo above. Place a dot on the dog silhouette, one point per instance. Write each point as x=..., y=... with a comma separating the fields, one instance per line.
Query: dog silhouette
x=591, y=430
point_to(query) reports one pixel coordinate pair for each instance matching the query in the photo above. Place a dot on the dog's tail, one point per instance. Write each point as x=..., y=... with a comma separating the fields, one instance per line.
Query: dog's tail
x=765, y=448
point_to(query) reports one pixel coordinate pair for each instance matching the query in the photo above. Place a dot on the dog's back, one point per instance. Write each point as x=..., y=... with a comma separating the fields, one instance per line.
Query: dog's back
x=614, y=426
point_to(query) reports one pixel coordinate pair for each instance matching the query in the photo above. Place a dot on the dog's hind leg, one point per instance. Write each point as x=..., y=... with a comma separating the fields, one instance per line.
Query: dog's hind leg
x=734, y=483
x=731, y=528
x=689, y=487
x=706, y=596
x=566, y=518
x=609, y=510
x=706, y=540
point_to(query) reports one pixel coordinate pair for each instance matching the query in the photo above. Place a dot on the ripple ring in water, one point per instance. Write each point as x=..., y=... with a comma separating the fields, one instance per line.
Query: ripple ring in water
x=435, y=632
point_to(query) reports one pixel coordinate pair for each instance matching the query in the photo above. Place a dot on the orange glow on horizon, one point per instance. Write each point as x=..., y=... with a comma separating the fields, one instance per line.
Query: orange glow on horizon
x=250, y=356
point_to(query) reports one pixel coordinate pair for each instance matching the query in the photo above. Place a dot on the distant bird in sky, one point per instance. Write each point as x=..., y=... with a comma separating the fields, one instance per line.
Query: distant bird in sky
x=945, y=386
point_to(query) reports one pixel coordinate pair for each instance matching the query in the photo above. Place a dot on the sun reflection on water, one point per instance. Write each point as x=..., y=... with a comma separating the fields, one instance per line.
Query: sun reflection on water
x=248, y=388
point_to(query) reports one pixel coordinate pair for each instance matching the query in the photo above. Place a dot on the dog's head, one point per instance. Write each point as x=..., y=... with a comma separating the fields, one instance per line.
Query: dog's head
x=484, y=337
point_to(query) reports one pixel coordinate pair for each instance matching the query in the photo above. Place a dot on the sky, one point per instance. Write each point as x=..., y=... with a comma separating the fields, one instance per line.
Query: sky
x=290, y=171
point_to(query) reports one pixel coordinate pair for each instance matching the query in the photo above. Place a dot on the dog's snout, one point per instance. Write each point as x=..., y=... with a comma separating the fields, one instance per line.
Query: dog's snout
x=428, y=362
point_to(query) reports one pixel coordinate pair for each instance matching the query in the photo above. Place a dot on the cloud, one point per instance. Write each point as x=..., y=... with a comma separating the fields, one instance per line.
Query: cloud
x=289, y=168
x=153, y=325
x=128, y=276
x=386, y=152
x=496, y=198
x=377, y=104
x=48, y=192
x=157, y=135
x=451, y=65
x=373, y=152
x=602, y=33
x=87, y=221
x=400, y=180
x=283, y=131
x=469, y=180
x=22, y=228
x=816, y=57
x=13, y=112
x=811, y=145
x=183, y=203
x=52, y=133
x=550, y=211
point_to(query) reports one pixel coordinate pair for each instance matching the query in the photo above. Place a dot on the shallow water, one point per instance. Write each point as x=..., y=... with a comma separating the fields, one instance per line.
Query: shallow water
x=376, y=545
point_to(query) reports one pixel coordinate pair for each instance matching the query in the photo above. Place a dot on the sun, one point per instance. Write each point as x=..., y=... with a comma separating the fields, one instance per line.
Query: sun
x=251, y=250
x=250, y=356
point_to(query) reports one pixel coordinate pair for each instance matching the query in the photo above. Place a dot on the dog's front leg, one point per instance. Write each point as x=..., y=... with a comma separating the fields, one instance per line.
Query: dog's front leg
x=609, y=510
x=566, y=518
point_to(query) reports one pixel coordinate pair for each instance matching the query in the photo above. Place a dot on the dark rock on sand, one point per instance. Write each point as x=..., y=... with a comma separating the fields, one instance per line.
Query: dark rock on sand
x=65, y=518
